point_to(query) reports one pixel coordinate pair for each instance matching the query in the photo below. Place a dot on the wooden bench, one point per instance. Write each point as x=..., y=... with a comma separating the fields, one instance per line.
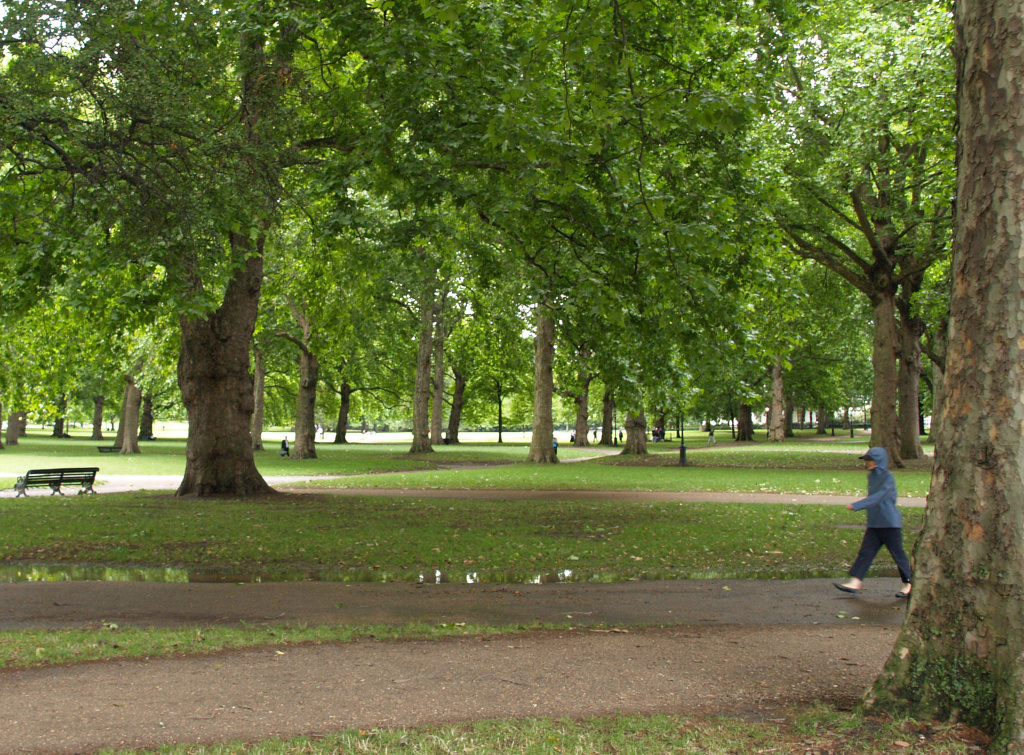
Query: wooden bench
x=54, y=478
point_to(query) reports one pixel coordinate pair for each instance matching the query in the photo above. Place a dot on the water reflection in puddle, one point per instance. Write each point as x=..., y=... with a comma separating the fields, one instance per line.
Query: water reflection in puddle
x=65, y=573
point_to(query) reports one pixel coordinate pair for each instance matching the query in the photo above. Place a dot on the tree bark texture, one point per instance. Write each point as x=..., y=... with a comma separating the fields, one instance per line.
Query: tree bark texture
x=146, y=417
x=305, y=410
x=97, y=418
x=309, y=378
x=745, y=423
x=501, y=413
x=130, y=419
x=542, y=448
x=776, y=423
x=125, y=394
x=961, y=651
x=636, y=434
x=421, y=391
x=344, y=404
x=787, y=418
x=259, y=387
x=217, y=390
x=823, y=421
x=909, y=384
x=608, y=418
x=13, y=428
x=458, y=401
x=437, y=381
x=885, y=347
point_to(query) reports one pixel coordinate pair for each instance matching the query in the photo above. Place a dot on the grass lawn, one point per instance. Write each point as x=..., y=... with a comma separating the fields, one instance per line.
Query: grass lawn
x=400, y=537
x=396, y=537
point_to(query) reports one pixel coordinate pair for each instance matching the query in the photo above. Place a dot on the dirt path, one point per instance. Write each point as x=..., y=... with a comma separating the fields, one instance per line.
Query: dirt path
x=742, y=647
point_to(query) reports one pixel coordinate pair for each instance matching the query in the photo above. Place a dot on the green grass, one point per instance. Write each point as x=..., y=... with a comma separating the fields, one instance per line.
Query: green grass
x=812, y=730
x=167, y=457
x=599, y=474
x=40, y=647
x=398, y=537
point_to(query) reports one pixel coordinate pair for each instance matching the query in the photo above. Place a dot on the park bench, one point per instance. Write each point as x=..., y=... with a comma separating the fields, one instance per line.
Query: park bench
x=54, y=478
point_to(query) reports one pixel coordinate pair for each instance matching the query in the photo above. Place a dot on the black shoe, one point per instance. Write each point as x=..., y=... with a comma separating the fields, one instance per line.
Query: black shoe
x=844, y=588
x=903, y=595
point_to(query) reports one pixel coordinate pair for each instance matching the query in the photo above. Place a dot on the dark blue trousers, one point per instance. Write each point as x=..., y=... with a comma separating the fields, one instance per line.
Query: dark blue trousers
x=874, y=539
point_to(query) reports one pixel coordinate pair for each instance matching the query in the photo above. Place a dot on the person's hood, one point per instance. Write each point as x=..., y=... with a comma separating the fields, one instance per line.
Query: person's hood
x=878, y=455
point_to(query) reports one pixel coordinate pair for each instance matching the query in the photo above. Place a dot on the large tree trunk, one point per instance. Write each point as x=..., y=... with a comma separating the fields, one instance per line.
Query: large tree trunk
x=501, y=413
x=146, y=418
x=58, y=422
x=458, y=400
x=130, y=418
x=305, y=410
x=437, y=381
x=421, y=392
x=823, y=421
x=636, y=434
x=909, y=388
x=581, y=400
x=344, y=404
x=959, y=655
x=542, y=448
x=216, y=388
x=13, y=428
x=608, y=418
x=776, y=423
x=787, y=418
x=97, y=417
x=745, y=423
x=938, y=386
x=125, y=395
x=884, y=432
x=259, y=388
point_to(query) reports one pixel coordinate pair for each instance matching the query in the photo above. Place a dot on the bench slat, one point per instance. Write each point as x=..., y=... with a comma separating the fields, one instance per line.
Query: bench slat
x=54, y=478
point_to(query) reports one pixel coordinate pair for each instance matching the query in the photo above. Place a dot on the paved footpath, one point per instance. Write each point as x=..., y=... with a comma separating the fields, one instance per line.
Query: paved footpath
x=740, y=647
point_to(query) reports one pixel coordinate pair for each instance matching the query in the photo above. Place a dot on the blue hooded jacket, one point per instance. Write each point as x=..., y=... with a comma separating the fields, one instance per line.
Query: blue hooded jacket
x=881, y=501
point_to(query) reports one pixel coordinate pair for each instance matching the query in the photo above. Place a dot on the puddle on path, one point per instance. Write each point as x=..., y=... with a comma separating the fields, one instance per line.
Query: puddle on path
x=65, y=573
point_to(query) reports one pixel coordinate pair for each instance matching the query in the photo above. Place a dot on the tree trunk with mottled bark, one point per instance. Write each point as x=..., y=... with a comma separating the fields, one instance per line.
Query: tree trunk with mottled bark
x=458, y=400
x=97, y=417
x=421, y=391
x=776, y=422
x=958, y=656
x=437, y=380
x=216, y=387
x=909, y=382
x=745, y=423
x=344, y=404
x=259, y=388
x=146, y=417
x=885, y=347
x=305, y=409
x=636, y=434
x=13, y=428
x=542, y=448
x=608, y=418
x=130, y=418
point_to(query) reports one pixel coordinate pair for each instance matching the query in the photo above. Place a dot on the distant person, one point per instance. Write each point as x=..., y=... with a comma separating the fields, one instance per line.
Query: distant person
x=555, y=440
x=711, y=436
x=284, y=448
x=885, y=524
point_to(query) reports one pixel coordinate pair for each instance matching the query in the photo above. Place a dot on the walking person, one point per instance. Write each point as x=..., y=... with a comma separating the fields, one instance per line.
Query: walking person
x=885, y=524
